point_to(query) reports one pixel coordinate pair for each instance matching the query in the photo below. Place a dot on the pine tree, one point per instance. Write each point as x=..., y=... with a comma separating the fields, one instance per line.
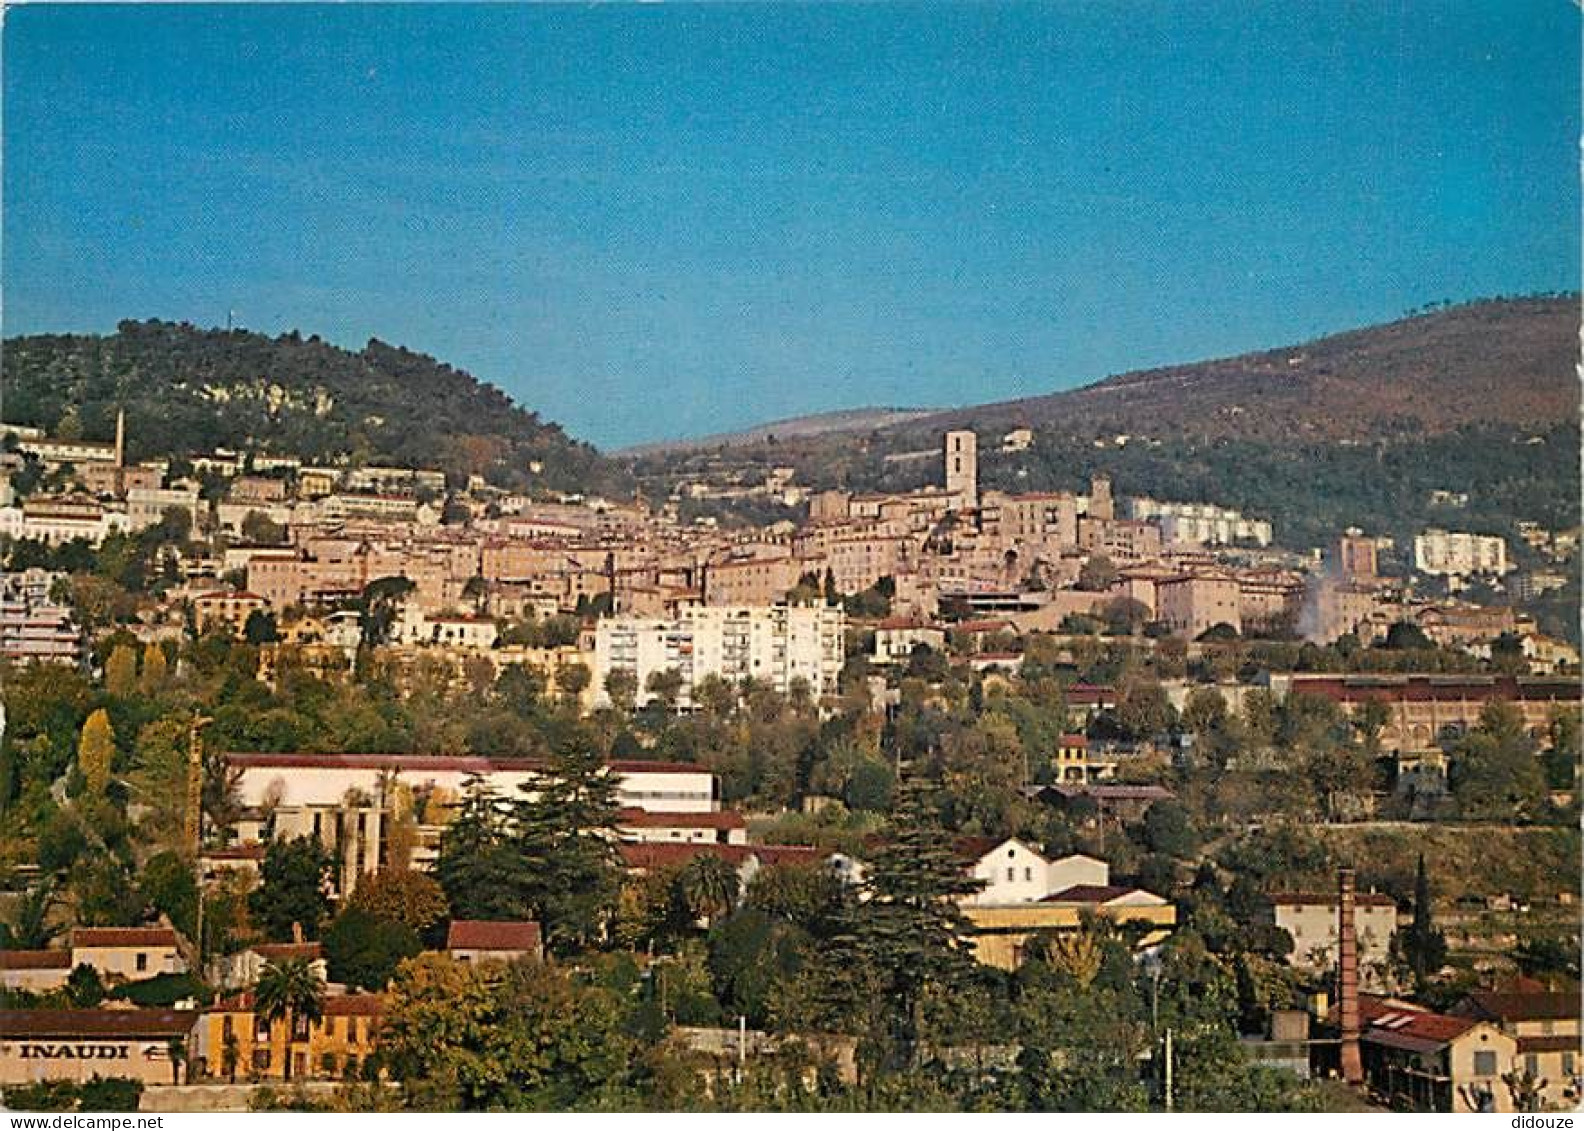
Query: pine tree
x=483, y=876
x=565, y=826
x=910, y=935
x=96, y=751
x=120, y=670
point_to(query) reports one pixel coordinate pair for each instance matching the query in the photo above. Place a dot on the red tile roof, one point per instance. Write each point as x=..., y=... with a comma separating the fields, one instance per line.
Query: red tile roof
x=277, y=952
x=660, y=855
x=355, y=1005
x=1550, y=1044
x=421, y=762
x=1087, y=893
x=1542, y=1005
x=645, y=819
x=126, y=1023
x=480, y=934
x=1329, y=899
x=1397, y=1024
x=122, y=936
x=35, y=960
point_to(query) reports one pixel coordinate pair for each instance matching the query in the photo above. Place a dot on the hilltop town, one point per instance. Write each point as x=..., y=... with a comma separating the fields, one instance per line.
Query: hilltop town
x=311, y=760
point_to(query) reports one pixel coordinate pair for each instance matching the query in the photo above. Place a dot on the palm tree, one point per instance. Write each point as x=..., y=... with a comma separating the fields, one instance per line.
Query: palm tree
x=286, y=991
x=708, y=886
x=176, y=1049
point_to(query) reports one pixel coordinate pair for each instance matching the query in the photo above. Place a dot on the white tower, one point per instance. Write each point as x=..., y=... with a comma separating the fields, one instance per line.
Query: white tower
x=962, y=468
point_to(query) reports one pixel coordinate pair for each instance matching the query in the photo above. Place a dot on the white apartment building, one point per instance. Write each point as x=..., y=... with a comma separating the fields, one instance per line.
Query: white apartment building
x=346, y=800
x=58, y=521
x=774, y=645
x=1200, y=524
x=33, y=628
x=1442, y=552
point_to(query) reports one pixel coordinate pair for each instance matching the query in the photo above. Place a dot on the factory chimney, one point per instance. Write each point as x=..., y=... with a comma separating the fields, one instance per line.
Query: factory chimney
x=1347, y=979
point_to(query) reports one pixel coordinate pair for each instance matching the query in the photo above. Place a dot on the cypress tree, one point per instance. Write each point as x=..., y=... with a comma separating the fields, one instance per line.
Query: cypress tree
x=1425, y=947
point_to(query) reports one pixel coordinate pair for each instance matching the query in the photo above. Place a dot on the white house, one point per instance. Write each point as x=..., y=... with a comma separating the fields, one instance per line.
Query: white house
x=1015, y=873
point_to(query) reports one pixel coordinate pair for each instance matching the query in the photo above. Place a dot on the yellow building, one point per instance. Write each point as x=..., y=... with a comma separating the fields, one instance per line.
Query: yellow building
x=1545, y=1023
x=231, y=1042
x=1001, y=934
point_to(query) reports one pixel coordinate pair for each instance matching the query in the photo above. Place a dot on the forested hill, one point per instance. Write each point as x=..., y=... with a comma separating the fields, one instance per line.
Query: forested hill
x=187, y=390
x=1502, y=361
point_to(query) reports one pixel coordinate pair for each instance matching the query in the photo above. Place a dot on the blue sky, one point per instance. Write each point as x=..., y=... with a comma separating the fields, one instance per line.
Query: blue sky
x=656, y=221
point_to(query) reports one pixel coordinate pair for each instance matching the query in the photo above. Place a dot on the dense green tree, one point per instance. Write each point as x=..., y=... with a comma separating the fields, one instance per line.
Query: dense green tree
x=167, y=884
x=1495, y=772
x=293, y=879
x=520, y=1037
x=907, y=942
x=480, y=872
x=363, y=950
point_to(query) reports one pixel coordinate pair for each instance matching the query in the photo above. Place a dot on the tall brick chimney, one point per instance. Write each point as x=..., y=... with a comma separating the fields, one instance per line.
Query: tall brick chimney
x=1347, y=980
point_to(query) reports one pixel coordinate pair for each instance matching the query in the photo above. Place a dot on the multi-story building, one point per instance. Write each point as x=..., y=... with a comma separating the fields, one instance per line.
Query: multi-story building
x=1200, y=524
x=1357, y=558
x=775, y=645
x=1545, y=1024
x=1191, y=603
x=1425, y=710
x=33, y=627
x=349, y=802
x=1458, y=553
x=1312, y=919
x=230, y=1040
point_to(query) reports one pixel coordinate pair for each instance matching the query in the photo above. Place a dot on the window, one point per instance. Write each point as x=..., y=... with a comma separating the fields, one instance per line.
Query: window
x=142, y=962
x=1532, y=1064
x=1485, y=1063
x=1028, y=875
x=1567, y=1064
x=1011, y=874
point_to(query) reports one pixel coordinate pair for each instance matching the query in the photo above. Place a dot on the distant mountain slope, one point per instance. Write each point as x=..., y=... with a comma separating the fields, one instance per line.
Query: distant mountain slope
x=1494, y=362
x=795, y=427
x=187, y=390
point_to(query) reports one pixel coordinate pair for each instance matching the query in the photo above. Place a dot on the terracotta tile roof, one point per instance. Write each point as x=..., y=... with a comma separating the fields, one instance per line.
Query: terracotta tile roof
x=355, y=1005
x=1087, y=893
x=153, y=1023
x=1115, y=792
x=122, y=936
x=1402, y=1025
x=421, y=762
x=1550, y=1044
x=984, y=626
x=645, y=819
x=662, y=854
x=276, y=952
x=35, y=960
x=480, y=934
x=1329, y=899
x=1542, y=1005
